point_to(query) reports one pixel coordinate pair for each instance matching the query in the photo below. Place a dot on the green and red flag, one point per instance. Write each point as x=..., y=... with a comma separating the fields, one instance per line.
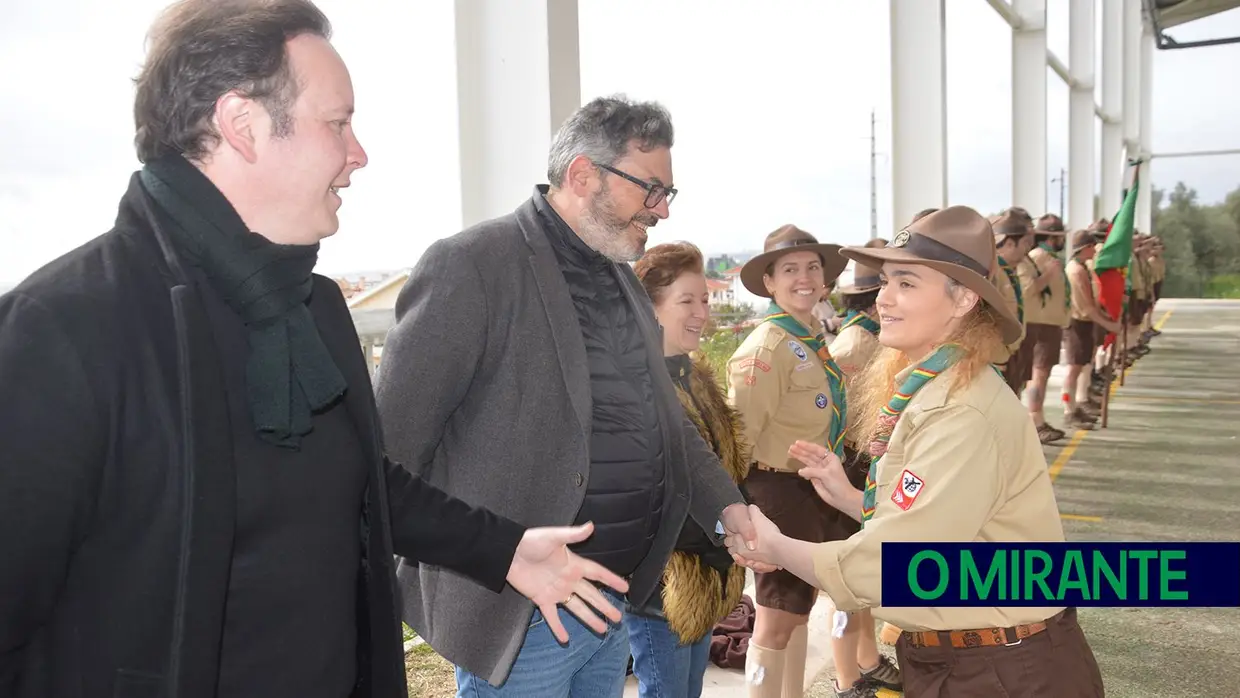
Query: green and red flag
x=1111, y=264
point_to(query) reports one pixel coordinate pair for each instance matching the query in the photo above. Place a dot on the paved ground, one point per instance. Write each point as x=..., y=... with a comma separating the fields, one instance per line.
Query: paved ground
x=1166, y=468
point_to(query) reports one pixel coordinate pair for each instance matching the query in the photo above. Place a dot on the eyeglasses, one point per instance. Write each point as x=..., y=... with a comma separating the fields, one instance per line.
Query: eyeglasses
x=655, y=193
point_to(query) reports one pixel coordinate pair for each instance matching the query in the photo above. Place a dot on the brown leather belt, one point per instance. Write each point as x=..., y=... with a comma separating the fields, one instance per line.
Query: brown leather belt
x=764, y=467
x=964, y=639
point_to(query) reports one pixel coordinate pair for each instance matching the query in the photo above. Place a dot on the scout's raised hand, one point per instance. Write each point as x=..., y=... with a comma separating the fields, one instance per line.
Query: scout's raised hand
x=546, y=572
x=822, y=468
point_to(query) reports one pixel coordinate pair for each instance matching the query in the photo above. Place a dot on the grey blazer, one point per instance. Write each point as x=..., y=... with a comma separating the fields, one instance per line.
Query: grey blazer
x=484, y=390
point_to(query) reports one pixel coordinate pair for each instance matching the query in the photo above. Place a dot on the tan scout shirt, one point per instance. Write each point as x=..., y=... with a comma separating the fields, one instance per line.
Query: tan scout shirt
x=1159, y=267
x=852, y=350
x=1035, y=310
x=984, y=479
x=1082, y=286
x=1137, y=277
x=781, y=392
x=1055, y=311
x=1001, y=282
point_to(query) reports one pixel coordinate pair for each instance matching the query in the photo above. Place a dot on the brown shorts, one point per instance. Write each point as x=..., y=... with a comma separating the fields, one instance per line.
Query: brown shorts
x=1157, y=290
x=1081, y=337
x=1136, y=311
x=791, y=503
x=1047, y=343
x=1055, y=662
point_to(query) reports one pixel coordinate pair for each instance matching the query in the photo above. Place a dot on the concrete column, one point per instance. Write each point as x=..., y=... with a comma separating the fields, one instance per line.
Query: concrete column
x=1112, y=106
x=1132, y=81
x=919, y=107
x=1144, y=210
x=368, y=353
x=518, y=77
x=1029, y=107
x=1081, y=114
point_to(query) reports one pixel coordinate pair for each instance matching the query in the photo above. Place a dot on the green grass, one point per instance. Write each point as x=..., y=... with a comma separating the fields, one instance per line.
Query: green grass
x=1223, y=286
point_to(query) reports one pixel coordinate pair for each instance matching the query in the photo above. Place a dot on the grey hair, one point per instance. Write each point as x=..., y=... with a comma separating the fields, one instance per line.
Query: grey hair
x=602, y=131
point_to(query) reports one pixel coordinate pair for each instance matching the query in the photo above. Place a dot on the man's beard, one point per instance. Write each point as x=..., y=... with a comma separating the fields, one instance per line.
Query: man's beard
x=607, y=233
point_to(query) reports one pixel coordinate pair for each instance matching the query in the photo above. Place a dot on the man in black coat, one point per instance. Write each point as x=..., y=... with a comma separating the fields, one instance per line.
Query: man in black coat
x=194, y=496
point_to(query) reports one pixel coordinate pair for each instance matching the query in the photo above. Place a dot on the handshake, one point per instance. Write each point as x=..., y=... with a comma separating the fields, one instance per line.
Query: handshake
x=755, y=541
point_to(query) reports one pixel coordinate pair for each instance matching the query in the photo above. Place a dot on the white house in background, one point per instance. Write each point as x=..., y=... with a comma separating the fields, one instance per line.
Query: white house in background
x=381, y=295
x=720, y=291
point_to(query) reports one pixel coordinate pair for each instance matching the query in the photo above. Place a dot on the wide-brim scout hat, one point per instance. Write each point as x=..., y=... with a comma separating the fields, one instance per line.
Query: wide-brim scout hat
x=1084, y=238
x=785, y=240
x=1051, y=225
x=1014, y=222
x=865, y=277
x=956, y=241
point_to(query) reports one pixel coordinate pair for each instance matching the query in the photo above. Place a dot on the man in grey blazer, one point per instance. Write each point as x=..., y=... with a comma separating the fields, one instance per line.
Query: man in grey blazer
x=525, y=373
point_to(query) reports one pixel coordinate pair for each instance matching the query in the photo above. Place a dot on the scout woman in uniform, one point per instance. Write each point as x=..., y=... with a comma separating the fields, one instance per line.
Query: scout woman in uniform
x=786, y=386
x=957, y=459
x=853, y=347
x=1040, y=328
x=670, y=637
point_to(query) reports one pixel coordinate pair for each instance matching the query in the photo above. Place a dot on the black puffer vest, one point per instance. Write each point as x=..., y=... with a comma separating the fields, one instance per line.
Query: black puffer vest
x=624, y=495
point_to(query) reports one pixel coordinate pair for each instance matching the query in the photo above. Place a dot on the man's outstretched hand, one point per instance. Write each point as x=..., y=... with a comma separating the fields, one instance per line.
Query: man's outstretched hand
x=742, y=536
x=546, y=572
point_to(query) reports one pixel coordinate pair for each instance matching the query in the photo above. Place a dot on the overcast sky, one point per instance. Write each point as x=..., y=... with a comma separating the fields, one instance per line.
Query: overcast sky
x=771, y=103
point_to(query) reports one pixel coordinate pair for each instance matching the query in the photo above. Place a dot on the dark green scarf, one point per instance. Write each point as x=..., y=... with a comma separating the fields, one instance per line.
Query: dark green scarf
x=1063, y=273
x=1015, y=281
x=856, y=317
x=835, y=380
x=289, y=372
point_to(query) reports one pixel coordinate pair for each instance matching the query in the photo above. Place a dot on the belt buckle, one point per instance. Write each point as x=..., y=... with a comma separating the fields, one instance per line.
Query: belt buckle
x=1012, y=644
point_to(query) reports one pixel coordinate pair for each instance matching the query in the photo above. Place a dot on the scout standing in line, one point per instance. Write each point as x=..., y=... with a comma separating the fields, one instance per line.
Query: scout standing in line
x=957, y=459
x=1082, y=334
x=1040, y=328
x=852, y=349
x=1013, y=241
x=786, y=386
x=1054, y=304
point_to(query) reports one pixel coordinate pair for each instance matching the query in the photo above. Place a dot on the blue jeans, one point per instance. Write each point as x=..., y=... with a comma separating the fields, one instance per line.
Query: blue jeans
x=665, y=668
x=590, y=666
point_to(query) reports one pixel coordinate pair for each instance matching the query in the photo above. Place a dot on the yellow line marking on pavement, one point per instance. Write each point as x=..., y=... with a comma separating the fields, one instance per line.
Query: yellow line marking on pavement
x=1124, y=379
x=1078, y=517
x=1192, y=400
x=1163, y=320
x=1062, y=459
x=1066, y=454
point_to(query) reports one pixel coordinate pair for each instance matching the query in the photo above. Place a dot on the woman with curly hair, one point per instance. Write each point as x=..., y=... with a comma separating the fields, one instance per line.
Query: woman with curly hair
x=956, y=458
x=670, y=637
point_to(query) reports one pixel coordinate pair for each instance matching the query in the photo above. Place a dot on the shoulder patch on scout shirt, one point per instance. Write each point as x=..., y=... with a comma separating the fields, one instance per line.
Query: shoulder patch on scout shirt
x=798, y=350
x=910, y=487
x=754, y=362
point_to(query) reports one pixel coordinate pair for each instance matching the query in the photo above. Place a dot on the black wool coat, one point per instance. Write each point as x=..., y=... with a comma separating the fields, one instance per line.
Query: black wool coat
x=118, y=486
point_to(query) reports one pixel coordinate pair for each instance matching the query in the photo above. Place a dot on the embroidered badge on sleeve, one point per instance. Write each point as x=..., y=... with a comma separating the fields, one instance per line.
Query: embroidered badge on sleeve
x=908, y=489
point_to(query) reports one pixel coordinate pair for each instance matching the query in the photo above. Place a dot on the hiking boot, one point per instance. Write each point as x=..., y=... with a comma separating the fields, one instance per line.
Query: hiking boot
x=861, y=689
x=1079, y=420
x=1048, y=434
x=1081, y=414
x=885, y=675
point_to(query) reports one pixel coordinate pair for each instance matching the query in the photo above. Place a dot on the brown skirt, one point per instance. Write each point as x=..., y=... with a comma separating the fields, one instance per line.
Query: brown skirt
x=791, y=503
x=1055, y=662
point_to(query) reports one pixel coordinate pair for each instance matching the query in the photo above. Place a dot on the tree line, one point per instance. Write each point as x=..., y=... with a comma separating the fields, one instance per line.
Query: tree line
x=1202, y=243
